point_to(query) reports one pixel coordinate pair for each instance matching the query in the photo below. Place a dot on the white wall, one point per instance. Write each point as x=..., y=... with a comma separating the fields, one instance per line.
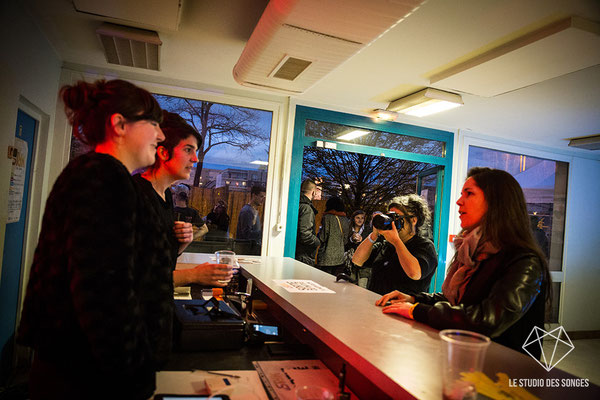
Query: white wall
x=29, y=73
x=581, y=292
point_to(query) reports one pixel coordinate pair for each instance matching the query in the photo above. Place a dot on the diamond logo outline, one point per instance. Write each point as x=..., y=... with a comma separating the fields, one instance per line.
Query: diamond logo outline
x=537, y=334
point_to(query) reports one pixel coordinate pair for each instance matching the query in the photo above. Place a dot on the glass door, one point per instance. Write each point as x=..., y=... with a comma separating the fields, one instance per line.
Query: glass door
x=367, y=164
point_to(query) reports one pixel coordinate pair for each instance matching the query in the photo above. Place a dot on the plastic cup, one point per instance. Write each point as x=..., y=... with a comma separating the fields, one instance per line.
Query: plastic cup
x=462, y=351
x=226, y=257
x=314, y=393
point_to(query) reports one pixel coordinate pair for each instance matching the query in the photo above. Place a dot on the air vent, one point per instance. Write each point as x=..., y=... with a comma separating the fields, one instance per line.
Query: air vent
x=290, y=68
x=131, y=47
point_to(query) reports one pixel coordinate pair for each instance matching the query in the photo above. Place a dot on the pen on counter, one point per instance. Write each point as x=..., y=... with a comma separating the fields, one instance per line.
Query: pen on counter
x=217, y=373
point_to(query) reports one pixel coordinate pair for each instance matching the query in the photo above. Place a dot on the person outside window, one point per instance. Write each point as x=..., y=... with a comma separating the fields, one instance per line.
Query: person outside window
x=185, y=213
x=498, y=281
x=307, y=241
x=218, y=222
x=333, y=235
x=249, y=226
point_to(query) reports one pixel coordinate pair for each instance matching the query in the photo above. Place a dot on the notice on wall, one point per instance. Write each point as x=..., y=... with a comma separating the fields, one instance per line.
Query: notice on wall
x=302, y=286
x=18, y=153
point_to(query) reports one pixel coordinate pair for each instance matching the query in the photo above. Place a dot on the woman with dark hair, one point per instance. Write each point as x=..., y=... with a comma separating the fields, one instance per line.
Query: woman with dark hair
x=498, y=279
x=175, y=158
x=406, y=259
x=98, y=308
x=333, y=236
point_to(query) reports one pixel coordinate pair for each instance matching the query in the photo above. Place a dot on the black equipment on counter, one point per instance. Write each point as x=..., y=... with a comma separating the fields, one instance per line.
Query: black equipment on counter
x=208, y=325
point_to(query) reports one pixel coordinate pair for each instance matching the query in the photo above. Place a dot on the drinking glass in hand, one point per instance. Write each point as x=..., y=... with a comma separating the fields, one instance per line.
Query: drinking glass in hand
x=226, y=257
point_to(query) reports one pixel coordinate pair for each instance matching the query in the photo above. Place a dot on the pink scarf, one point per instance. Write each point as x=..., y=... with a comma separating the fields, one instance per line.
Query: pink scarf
x=469, y=254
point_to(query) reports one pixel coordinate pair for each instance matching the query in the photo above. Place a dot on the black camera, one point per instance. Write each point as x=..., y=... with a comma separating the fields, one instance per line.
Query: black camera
x=383, y=222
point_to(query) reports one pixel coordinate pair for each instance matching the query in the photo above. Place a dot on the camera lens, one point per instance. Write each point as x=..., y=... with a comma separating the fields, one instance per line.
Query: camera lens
x=382, y=222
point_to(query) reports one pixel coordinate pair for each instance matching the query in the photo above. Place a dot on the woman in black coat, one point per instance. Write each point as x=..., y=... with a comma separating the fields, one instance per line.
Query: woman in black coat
x=498, y=280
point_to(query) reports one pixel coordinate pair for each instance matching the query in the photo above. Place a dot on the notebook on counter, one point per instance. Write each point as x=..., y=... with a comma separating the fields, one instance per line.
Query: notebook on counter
x=282, y=378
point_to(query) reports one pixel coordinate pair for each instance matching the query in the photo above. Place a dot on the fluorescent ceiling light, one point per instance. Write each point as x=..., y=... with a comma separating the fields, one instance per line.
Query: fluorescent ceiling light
x=384, y=115
x=426, y=102
x=258, y=162
x=353, y=134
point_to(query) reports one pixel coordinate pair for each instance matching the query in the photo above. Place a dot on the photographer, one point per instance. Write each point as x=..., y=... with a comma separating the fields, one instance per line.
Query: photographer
x=405, y=260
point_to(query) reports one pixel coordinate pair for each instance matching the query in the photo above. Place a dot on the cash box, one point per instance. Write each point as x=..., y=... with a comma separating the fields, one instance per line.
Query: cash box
x=207, y=325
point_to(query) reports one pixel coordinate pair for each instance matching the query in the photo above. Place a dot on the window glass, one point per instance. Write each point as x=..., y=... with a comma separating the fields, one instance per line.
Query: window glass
x=373, y=138
x=232, y=160
x=363, y=182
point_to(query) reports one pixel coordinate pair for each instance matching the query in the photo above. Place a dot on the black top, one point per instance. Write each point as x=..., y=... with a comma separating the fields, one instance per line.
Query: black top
x=98, y=307
x=163, y=208
x=388, y=274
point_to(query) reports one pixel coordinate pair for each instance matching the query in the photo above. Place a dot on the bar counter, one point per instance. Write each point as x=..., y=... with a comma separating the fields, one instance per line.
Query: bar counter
x=387, y=356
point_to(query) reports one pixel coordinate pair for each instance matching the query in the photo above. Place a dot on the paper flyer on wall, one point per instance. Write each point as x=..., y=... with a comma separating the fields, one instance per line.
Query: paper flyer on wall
x=17, y=181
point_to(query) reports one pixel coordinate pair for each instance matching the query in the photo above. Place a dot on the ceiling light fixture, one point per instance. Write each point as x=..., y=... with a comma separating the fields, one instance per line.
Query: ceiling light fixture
x=426, y=102
x=353, y=134
x=587, y=142
x=383, y=115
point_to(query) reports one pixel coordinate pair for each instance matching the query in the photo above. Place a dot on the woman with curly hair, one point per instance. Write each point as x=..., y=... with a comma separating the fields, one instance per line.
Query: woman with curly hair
x=406, y=259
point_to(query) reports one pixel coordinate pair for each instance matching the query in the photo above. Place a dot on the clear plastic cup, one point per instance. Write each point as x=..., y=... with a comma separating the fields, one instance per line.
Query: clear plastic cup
x=462, y=351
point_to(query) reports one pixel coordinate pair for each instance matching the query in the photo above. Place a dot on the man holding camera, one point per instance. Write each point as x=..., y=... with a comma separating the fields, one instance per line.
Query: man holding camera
x=405, y=260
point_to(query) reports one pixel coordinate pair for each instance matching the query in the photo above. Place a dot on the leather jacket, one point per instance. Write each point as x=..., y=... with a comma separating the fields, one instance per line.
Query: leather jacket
x=504, y=300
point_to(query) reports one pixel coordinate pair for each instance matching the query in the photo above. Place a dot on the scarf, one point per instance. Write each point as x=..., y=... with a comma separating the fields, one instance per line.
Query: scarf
x=469, y=254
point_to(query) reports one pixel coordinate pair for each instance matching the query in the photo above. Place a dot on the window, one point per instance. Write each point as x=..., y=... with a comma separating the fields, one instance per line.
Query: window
x=544, y=184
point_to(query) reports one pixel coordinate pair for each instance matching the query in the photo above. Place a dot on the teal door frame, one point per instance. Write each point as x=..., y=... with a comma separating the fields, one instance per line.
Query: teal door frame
x=300, y=141
x=439, y=172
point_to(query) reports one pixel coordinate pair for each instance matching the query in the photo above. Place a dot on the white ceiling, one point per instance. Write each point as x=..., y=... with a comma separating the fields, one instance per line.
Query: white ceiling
x=213, y=33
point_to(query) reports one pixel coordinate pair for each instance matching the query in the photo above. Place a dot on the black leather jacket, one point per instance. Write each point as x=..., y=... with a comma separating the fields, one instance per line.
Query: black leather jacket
x=503, y=300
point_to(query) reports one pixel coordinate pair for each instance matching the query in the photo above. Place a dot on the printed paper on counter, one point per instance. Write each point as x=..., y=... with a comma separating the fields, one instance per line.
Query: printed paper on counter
x=302, y=286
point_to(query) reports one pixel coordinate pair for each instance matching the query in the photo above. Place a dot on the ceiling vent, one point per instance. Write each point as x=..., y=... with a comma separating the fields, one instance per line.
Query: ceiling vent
x=298, y=42
x=131, y=47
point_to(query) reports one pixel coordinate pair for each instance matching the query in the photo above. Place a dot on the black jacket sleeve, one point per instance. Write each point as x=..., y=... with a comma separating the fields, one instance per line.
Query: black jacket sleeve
x=509, y=297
